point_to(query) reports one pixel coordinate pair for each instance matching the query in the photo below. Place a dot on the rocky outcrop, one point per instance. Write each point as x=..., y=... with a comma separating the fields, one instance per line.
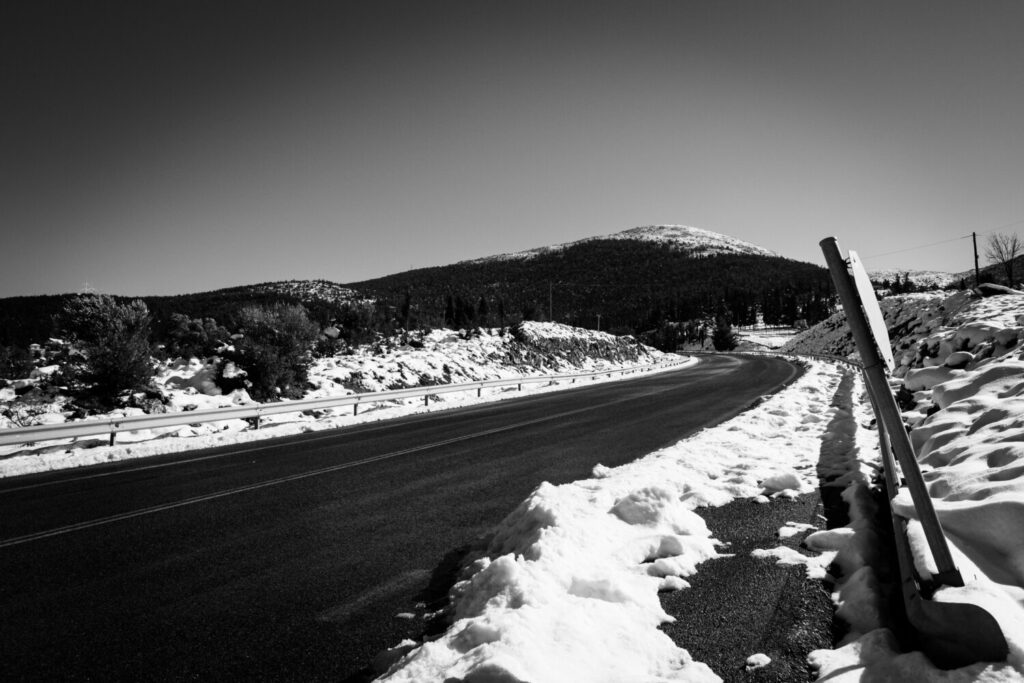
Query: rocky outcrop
x=549, y=346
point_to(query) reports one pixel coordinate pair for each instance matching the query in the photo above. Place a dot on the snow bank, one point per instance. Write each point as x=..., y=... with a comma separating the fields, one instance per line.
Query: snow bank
x=962, y=364
x=567, y=588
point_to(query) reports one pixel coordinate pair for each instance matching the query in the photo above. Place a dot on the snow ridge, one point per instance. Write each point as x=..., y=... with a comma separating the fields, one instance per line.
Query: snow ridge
x=699, y=241
x=921, y=278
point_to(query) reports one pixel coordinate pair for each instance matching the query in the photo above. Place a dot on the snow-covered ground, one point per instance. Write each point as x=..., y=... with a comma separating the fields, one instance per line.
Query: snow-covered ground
x=962, y=360
x=567, y=588
x=920, y=278
x=441, y=357
x=763, y=338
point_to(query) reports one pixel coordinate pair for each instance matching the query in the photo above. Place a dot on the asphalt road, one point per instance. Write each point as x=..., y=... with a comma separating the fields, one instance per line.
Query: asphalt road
x=300, y=558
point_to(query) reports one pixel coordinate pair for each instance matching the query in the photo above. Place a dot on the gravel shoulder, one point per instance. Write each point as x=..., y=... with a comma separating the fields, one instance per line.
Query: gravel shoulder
x=741, y=605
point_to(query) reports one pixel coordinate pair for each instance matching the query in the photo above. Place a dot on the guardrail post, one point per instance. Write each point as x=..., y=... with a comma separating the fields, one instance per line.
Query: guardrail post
x=889, y=413
x=113, y=436
x=479, y=392
x=426, y=400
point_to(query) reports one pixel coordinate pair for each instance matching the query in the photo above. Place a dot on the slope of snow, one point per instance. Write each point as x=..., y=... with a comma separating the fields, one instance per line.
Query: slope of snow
x=961, y=360
x=696, y=240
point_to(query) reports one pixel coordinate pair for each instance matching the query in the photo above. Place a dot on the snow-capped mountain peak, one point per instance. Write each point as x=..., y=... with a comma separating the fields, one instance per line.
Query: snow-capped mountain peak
x=694, y=239
x=700, y=242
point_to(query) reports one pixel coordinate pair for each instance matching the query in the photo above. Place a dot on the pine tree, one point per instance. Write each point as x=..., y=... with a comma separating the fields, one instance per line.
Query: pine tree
x=723, y=338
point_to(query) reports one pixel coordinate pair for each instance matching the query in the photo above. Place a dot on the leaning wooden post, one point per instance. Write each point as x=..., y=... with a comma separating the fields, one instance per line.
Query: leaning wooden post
x=889, y=413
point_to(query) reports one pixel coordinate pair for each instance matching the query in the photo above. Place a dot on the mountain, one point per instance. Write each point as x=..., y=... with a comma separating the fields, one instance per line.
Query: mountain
x=633, y=281
x=629, y=282
x=696, y=241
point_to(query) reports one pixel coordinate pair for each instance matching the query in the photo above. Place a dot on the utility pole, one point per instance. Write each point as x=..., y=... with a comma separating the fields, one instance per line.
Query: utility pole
x=977, y=273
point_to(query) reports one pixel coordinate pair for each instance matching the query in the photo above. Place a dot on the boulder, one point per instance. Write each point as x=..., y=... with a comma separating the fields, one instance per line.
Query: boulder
x=959, y=359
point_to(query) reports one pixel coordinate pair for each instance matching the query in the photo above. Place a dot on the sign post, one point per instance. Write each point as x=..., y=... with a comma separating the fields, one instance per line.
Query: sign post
x=864, y=317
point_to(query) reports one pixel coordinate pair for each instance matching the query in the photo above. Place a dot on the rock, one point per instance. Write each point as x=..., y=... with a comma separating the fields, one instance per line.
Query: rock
x=987, y=289
x=959, y=359
x=1007, y=337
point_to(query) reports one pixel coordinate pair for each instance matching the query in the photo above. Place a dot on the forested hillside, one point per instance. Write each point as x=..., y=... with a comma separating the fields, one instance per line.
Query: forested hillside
x=622, y=286
x=632, y=285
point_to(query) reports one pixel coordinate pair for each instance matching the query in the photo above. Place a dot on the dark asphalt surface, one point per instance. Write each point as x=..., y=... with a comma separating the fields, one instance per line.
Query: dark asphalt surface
x=741, y=605
x=291, y=559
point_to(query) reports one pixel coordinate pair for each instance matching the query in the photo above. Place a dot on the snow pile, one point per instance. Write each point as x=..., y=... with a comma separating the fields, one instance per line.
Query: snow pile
x=968, y=434
x=440, y=357
x=567, y=588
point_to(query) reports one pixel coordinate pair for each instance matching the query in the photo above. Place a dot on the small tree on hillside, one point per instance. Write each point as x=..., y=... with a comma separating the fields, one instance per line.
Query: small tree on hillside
x=723, y=338
x=114, y=341
x=1001, y=250
x=275, y=350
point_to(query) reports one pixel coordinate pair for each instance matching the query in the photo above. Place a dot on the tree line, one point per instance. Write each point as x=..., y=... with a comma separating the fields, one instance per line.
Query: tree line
x=107, y=348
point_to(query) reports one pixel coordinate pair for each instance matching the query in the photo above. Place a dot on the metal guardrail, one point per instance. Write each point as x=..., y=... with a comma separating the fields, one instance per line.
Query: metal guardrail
x=112, y=425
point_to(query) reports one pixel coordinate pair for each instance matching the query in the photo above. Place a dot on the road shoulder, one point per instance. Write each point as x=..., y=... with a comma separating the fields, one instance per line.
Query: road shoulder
x=742, y=605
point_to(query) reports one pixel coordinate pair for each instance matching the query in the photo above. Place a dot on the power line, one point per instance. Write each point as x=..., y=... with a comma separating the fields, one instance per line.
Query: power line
x=1002, y=227
x=954, y=239
x=921, y=246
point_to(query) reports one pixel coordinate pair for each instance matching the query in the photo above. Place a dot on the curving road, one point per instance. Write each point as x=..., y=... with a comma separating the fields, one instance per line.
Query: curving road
x=302, y=557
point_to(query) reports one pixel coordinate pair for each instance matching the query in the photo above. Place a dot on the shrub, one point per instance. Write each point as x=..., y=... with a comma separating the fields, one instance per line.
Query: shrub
x=194, y=337
x=723, y=338
x=114, y=342
x=15, y=362
x=275, y=350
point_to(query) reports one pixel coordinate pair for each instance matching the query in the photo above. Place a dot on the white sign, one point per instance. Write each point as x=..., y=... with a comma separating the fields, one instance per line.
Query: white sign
x=871, y=310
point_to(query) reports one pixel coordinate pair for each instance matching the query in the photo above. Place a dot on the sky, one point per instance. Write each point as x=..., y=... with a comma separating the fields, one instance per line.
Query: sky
x=178, y=146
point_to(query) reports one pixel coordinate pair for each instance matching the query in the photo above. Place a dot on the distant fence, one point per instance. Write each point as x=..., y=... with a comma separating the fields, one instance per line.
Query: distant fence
x=112, y=425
